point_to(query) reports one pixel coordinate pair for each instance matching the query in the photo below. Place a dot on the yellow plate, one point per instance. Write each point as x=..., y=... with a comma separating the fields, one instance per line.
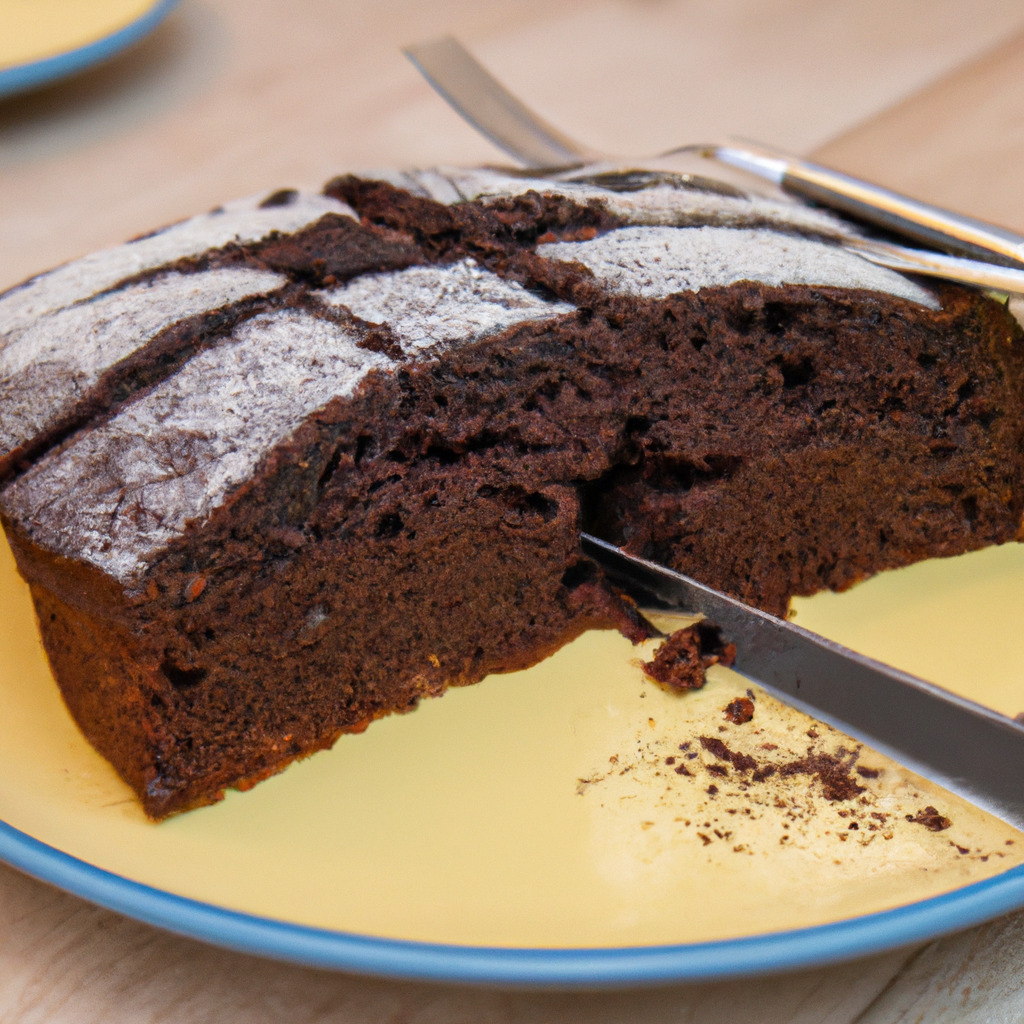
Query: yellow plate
x=43, y=40
x=533, y=826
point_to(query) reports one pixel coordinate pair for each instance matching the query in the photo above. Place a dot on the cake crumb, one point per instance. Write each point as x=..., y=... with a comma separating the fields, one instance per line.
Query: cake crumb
x=931, y=819
x=680, y=663
x=740, y=711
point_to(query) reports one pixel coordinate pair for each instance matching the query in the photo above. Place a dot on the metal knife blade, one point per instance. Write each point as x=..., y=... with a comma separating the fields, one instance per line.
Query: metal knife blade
x=966, y=748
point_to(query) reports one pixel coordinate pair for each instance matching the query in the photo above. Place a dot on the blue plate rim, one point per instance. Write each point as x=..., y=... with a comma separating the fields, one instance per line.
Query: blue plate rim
x=22, y=77
x=575, y=968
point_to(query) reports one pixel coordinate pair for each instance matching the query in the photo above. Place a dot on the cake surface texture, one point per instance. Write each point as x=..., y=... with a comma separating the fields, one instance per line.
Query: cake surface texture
x=289, y=466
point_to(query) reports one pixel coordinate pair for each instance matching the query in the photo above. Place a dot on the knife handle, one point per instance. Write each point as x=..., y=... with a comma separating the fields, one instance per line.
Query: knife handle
x=880, y=207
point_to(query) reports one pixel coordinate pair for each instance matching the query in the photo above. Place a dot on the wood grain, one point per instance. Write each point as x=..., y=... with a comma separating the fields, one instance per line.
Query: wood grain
x=65, y=962
x=970, y=978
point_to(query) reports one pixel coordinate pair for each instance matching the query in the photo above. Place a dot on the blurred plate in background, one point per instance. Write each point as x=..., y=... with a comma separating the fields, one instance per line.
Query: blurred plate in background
x=42, y=41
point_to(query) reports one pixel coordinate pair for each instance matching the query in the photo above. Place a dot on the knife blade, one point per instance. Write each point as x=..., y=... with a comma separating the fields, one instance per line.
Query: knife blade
x=970, y=750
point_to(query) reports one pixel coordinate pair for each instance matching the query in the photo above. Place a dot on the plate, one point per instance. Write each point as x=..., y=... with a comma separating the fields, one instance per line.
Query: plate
x=45, y=40
x=565, y=826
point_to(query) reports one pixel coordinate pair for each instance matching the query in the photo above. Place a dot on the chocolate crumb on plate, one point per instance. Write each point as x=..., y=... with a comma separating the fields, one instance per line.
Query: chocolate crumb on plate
x=931, y=819
x=739, y=711
x=682, y=659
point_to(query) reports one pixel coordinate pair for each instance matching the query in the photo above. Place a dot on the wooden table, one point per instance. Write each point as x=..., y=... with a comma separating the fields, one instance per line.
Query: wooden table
x=228, y=98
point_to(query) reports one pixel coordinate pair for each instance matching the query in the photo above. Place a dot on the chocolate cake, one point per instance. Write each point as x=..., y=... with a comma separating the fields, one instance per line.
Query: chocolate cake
x=286, y=467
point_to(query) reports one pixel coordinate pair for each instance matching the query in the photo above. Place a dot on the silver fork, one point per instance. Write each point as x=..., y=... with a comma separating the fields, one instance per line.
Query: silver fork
x=974, y=252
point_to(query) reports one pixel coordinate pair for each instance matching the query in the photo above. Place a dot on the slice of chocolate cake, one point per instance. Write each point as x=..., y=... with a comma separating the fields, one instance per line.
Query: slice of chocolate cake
x=284, y=468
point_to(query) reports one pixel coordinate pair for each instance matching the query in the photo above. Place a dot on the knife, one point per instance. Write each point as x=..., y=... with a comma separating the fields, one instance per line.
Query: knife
x=970, y=750
x=983, y=255
x=872, y=204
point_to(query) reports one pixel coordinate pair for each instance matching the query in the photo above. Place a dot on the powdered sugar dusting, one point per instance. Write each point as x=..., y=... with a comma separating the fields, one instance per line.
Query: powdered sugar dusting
x=129, y=486
x=125, y=488
x=655, y=262
x=92, y=336
x=74, y=346
x=428, y=307
x=664, y=203
x=244, y=220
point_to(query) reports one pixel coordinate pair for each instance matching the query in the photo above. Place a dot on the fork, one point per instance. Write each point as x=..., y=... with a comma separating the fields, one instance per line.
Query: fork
x=975, y=252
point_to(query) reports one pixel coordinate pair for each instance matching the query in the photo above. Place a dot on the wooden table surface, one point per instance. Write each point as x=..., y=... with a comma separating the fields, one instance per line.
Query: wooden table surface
x=229, y=98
